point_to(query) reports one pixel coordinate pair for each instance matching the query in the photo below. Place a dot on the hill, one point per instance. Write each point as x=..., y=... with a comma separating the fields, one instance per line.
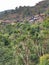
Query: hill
x=24, y=43
x=26, y=12
x=42, y=6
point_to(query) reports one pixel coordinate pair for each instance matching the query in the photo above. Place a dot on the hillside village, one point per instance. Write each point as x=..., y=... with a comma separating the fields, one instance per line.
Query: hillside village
x=34, y=13
x=32, y=19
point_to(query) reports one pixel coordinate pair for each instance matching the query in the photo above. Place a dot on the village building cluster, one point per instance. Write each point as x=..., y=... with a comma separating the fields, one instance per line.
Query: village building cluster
x=33, y=19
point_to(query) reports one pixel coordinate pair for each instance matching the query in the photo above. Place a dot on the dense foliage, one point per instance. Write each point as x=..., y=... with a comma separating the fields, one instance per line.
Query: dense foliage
x=24, y=43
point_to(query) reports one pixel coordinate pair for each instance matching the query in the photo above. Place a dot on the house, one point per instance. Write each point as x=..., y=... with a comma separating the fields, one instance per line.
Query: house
x=33, y=19
x=37, y=18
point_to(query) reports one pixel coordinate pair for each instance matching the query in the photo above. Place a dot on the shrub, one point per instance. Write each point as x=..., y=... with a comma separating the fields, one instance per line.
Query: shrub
x=44, y=60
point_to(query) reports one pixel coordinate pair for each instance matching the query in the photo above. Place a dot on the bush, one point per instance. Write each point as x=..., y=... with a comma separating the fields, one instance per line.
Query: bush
x=44, y=60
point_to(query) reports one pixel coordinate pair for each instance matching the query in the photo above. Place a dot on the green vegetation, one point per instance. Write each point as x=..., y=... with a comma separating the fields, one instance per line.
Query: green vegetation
x=44, y=60
x=24, y=43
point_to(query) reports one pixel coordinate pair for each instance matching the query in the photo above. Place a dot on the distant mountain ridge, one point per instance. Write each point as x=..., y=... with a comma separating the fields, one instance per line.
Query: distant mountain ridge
x=41, y=7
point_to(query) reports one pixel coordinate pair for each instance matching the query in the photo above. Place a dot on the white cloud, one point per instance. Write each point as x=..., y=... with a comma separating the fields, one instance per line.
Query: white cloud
x=11, y=4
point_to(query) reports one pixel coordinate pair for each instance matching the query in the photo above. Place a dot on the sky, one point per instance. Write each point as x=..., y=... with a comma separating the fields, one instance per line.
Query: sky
x=11, y=4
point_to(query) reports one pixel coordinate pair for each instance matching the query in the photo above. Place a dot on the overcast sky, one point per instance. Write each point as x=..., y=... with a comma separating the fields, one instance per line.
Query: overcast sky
x=11, y=4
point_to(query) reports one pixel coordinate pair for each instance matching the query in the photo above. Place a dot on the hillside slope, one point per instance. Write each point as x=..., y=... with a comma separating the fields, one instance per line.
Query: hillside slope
x=26, y=11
